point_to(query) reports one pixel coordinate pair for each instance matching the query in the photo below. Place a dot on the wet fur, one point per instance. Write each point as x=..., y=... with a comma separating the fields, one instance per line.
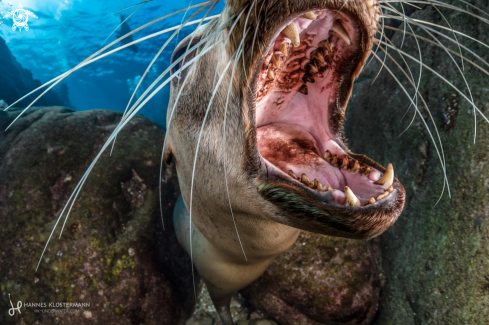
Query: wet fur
x=265, y=209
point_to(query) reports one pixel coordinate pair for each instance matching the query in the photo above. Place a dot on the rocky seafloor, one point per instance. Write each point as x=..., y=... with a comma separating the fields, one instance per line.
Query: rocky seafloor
x=114, y=252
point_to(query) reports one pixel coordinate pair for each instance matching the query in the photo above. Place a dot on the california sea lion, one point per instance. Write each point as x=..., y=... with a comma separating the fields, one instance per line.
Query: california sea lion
x=280, y=163
x=255, y=129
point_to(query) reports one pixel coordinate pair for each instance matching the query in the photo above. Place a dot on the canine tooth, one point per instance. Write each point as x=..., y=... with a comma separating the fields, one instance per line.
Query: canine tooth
x=312, y=68
x=388, y=178
x=270, y=75
x=371, y=201
x=318, y=55
x=325, y=44
x=305, y=180
x=391, y=189
x=292, y=32
x=309, y=15
x=351, y=199
x=275, y=60
x=330, y=189
x=291, y=174
x=340, y=31
x=334, y=161
x=328, y=155
x=356, y=167
x=303, y=89
x=319, y=186
x=308, y=78
x=284, y=48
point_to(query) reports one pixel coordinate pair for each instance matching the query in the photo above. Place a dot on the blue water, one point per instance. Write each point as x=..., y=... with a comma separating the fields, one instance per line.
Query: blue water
x=68, y=31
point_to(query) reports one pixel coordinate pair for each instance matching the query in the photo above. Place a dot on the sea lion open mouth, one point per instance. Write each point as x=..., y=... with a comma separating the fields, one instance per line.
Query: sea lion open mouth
x=302, y=84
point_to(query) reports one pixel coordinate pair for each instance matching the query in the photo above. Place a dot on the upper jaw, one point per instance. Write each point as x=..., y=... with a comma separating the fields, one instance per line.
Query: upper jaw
x=278, y=187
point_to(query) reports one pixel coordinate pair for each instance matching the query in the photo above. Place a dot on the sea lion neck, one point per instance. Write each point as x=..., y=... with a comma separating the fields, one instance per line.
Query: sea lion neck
x=257, y=126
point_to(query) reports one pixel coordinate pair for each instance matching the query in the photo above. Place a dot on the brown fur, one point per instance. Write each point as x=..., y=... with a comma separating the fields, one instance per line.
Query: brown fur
x=268, y=209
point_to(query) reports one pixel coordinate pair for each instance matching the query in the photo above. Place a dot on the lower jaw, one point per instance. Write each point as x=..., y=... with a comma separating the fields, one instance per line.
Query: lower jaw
x=294, y=155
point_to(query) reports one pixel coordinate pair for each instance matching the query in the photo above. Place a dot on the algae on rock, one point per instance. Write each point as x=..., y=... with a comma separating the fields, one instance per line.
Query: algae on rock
x=436, y=256
x=113, y=253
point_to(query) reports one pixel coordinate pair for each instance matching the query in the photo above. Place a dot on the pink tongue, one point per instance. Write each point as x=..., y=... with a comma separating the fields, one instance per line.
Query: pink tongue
x=290, y=147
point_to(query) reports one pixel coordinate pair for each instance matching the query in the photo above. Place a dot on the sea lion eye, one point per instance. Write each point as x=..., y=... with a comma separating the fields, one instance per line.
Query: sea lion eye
x=185, y=52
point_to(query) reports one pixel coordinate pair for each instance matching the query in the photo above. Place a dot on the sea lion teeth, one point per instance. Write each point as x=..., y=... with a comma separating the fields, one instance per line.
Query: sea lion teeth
x=303, y=89
x=318, y=55
x=320, y=186
x=284, y=48
x=351, y=198
x=306, y=181
x=270, y=75
x=312, y=68
x=291, y=174
x=330, y=189
x=334, y=161
x=292, y=32
x=355, y=167
x=275, y=60
x=308, y=78
x=344, y=163
x=381, y=196
x=391, y=189
x=325, y=44
x=309, y=15
x=388, y=178
x=366, y=172
x=340, y=31
x=371, y=201
x=328, y=155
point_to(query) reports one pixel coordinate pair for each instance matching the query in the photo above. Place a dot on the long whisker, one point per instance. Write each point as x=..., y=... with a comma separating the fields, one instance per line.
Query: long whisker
x=76, y=192
x=416, y=86
x=440, y=4
x=202, y=41
x=440, y=157
x=197, y=153
x=123, y=22
x=85, y=63
x=428, y=110
x=159, y=53
x=451, y=57
x=453, y=33
x=206, y=42
x=240, y=53
x=245, y=32
x=134, y=5
x=382, y=34
x=444, y=80
x=90, y=58
x=225, y=151
x=451, y=51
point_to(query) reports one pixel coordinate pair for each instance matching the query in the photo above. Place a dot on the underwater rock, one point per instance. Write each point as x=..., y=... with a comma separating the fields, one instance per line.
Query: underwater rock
x=435, y=258
x=319, y=280
x=3, y=104
x=16, y=81
x=113, y=253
